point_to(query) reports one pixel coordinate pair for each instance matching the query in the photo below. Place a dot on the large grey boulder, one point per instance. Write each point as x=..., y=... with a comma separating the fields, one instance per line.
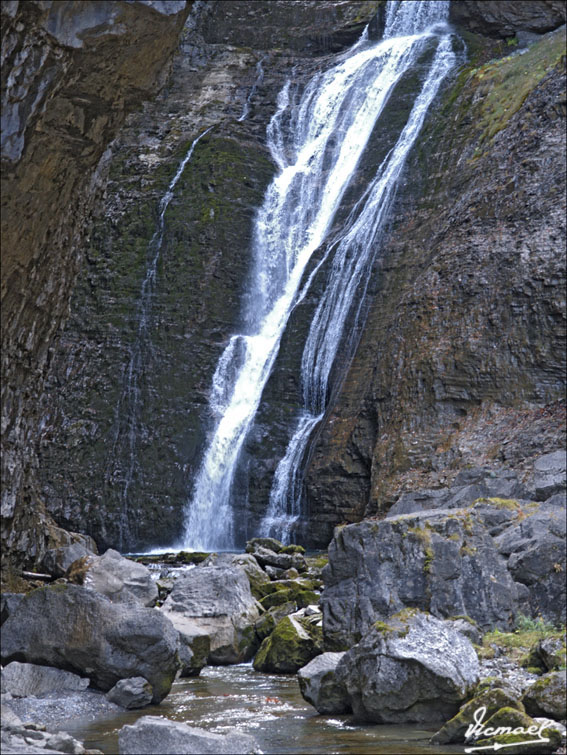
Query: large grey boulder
x=319, y=686
x=550, y=475
x=152, y=734
x=194, y=644
x=135, y=692
x=219, y=603
x=75, y=628
x=256, y=575
x=25, y=679
x=120, y=579
x=411, y=669
x=444, y=562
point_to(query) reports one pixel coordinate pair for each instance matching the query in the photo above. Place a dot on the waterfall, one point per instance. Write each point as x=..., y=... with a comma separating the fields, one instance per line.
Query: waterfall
x=128, y=406
x=257, y=83
x=317, y=144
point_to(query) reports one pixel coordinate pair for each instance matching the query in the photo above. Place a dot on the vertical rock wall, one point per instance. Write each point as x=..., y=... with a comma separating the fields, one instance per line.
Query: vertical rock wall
x=71, y=71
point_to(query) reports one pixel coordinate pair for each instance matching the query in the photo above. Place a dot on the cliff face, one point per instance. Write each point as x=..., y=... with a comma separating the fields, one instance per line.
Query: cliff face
x=460, y=361
x=70, y=73
x=128, y=490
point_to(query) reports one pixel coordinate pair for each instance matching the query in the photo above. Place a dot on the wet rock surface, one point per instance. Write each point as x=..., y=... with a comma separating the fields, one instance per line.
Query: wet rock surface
x=319, y=686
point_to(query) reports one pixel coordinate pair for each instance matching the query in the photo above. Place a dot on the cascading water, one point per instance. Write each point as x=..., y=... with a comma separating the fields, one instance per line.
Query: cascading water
x=128, y=406
x=257, y=83
x=317, y=145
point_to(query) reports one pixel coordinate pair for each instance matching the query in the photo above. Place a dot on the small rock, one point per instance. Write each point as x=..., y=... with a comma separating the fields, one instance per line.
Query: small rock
x=135, y=692
x=550, y=474
x=263, y=542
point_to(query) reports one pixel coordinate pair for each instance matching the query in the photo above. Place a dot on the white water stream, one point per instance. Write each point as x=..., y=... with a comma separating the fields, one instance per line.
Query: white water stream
x=317, y=145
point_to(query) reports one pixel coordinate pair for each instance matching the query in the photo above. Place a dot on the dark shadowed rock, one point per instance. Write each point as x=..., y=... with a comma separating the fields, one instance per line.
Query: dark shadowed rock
x=152, y=734
x=503, y=18
x=74, y=628
x=319, y=686
x=412, y=668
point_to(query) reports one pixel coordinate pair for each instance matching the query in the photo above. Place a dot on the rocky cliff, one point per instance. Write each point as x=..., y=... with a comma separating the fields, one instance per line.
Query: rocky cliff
x=460, y=361
x=71, y=72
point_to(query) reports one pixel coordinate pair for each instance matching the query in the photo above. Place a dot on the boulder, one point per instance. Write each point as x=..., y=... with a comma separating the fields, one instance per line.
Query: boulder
x=152, y=734
x=489, y=699
x=135, y=692
x=75, y=628
x=411, y=669
x=25, y=679
x=8, y=603
x=547, y=654
x=547, y=696
x=550, y=475
x=119, y=578
x=319, y=686
x=218, y=601
x=444, y=562
x=292, y=644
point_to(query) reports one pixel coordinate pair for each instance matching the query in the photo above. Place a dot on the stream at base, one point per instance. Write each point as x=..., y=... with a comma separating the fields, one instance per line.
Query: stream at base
x=268, y=707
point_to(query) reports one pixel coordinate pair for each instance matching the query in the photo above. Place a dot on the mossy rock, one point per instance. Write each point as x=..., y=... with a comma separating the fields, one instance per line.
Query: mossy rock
x=547, y=654
x=185, y=557
x=491, y=699
x=518, y=727
x=547, y=696
x=264, y=542
x=289, y=647
x=265, y=625
x=292, y=549
x=278, y=598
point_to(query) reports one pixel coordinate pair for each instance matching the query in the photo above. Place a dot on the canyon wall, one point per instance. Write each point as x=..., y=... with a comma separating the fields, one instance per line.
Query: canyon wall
x=71, y=72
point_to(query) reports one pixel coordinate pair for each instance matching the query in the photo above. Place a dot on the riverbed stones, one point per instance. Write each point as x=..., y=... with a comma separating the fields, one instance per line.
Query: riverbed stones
x=548, y=696
x=152, y=734
x=119, y=578
x=135, y=692
x=410, y=669
x=319, y=686
x=218, y=601
x=24, y=679
x=23, y=738
x=292, y=644
x=73, y=627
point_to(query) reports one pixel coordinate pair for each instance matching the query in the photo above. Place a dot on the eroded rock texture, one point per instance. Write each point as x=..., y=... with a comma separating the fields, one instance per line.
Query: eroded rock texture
x=71, y=71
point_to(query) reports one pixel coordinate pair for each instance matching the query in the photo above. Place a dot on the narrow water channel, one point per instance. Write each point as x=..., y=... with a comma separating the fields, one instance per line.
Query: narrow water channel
x=270, y=708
